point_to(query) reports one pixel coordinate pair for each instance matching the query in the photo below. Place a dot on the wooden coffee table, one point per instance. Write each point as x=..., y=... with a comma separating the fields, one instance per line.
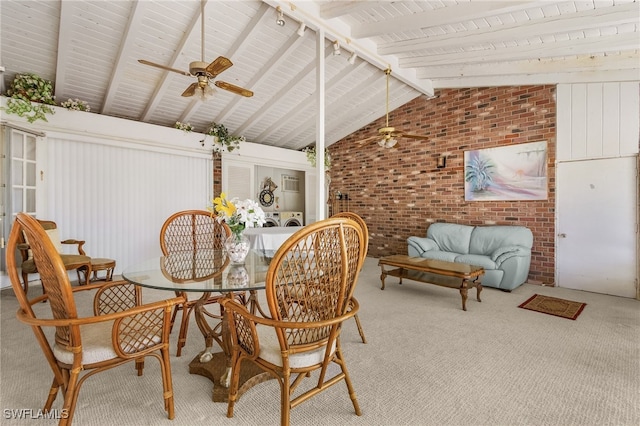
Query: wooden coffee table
x=438, y=272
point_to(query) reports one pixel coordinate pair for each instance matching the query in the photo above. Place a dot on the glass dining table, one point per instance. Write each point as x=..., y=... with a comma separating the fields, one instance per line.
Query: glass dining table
x=206, y=272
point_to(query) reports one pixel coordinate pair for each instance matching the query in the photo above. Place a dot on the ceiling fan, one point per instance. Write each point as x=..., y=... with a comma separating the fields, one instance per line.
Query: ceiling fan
x=387, y=135
x=203, y=72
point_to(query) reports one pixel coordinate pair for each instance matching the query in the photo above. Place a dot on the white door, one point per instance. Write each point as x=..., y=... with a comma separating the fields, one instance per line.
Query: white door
x=596, y=226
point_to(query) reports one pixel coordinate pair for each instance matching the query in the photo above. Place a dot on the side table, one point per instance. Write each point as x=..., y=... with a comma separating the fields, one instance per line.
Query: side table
x=100, y=264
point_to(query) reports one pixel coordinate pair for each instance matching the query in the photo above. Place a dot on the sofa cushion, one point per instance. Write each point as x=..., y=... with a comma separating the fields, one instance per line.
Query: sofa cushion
x=487, y=239
x=447, y=256
x=476, y=260
x=451, y=236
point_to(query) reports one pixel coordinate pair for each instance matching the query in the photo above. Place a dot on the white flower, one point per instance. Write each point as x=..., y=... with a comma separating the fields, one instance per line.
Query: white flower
x=238, y=214
x=76, y=105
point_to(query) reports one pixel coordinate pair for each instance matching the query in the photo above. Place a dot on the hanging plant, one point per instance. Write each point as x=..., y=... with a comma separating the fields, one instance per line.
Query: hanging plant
x=29, y=96
x=311, y=157
x=222, y=140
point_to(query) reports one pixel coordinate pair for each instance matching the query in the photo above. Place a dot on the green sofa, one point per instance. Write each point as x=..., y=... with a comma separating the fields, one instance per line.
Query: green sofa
x=503, y=251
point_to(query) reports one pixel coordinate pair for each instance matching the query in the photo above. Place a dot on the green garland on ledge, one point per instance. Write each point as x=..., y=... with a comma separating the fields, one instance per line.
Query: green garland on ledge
x=311, y=157
x=30, y=96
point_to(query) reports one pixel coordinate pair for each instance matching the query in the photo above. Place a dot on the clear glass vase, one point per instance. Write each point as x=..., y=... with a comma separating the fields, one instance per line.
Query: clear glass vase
x=237, y=248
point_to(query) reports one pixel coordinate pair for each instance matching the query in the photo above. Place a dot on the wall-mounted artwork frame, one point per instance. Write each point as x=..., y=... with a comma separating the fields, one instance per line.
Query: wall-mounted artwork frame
x=506, y=173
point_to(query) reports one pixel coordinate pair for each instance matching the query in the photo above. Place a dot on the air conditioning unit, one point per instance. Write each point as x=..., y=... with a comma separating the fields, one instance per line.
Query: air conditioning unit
x=290, y=183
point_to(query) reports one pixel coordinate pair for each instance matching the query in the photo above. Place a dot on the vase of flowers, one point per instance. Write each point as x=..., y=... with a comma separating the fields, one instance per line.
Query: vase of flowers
x=238, y=214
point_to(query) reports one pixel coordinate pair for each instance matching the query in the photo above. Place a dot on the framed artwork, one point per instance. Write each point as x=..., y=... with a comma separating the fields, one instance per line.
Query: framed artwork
x=514, y=172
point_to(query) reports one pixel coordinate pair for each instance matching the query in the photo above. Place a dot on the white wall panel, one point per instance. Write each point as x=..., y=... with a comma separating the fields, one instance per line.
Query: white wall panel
x=629, y=118
x=598, y=120
x=610, y=119
x=117, y=198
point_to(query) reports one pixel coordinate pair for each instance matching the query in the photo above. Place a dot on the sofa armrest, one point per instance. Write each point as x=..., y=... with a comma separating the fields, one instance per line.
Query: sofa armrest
x=507, y=252
x=418, y=245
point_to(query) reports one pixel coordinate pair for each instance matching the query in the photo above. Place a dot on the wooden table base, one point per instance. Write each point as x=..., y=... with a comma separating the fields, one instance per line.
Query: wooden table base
x=250, y=375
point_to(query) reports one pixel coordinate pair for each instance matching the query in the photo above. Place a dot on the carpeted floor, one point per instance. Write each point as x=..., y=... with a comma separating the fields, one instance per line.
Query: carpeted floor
x=426, y=362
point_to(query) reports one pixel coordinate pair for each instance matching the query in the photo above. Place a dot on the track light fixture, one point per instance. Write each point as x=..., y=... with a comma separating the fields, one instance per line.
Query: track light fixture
x=280, y=20
x=352, y=58
x=336, y=48
x=301, y=29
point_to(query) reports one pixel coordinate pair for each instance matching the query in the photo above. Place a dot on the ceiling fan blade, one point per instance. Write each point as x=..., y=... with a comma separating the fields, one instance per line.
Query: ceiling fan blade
x=218, y=65
x=191, y=90
x=233, y=88
x=153, y=64
x=367, y=140
x=410, y=136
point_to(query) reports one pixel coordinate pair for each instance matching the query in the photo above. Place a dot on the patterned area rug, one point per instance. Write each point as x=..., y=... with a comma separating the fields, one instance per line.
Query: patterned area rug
x=554, y=306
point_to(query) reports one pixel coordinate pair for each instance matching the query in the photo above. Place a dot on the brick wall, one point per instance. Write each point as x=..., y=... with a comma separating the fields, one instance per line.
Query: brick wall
x=400, y=191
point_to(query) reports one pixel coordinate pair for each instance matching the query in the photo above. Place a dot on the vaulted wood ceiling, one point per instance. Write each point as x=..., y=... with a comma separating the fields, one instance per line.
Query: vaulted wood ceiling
x=90, y=50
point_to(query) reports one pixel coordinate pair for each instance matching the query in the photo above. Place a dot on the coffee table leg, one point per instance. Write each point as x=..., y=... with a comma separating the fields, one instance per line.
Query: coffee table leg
x=383, y=275
x=464, y=291
x=479, y=289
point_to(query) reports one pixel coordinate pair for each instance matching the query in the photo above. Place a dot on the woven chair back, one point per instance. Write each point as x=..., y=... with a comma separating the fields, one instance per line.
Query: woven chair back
x=312, y=277
x=53, y=275
x=192, y=230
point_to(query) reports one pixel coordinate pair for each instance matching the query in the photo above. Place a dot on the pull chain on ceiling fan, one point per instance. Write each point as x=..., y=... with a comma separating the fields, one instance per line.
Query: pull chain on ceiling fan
x=387, y=141
x=203, y=72
x=389, y=134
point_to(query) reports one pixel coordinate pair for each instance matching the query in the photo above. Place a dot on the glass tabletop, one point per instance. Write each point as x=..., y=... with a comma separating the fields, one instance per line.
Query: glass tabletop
x=201, y=271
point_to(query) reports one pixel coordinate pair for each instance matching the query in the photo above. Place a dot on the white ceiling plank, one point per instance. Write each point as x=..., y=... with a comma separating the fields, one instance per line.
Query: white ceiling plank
x=302, y=127
x=305, y=104
x=234, y=50
x=128, y=39
x=308, y=12
x=439, y=17
x=628, y=61
x=584, y=46
x=190, y=35
x=309, y=69
x=65, y=38
x=593, y=18
x=536, y=79
x=285, y=51
x=335, y=9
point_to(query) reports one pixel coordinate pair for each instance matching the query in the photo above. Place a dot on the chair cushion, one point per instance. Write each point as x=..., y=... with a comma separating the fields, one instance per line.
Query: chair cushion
x=54, y=236
x=97, y=345
x=71, y=261
x=270, y=350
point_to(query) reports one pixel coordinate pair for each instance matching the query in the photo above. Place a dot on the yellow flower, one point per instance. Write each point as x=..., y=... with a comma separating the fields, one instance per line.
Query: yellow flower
x=224, y=206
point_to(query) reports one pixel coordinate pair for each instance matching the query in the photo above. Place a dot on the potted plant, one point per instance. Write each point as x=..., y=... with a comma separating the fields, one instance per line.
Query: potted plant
x=30, y=96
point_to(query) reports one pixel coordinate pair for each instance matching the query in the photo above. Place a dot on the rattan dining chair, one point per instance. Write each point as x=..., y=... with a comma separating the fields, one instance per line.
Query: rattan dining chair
x=309, y=288
x=71, y=262
x=121, y=330
x=190, y=231
x=365, y=247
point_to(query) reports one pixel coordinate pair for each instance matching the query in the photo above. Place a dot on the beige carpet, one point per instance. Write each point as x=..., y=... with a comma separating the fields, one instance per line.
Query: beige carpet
x=426, y=362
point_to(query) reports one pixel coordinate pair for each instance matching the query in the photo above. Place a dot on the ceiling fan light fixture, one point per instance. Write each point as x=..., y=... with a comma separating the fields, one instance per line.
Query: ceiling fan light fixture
x=301, y=29
x=280, y=19
x=336, y=48
x=388, y=142
x=206, y=92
